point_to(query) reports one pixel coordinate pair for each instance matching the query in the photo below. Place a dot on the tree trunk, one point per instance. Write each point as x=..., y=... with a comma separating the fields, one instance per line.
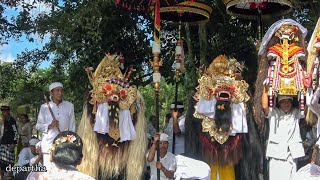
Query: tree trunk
x=191, y=71
x=203, y=44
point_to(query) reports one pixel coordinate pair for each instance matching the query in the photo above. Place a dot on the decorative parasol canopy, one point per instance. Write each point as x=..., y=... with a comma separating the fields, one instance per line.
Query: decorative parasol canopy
x=186, y=11
x=250, y=8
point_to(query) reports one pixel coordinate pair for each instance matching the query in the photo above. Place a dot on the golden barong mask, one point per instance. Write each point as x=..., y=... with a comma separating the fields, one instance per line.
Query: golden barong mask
x=221, y=85
x=110, y=85
x=222, y=81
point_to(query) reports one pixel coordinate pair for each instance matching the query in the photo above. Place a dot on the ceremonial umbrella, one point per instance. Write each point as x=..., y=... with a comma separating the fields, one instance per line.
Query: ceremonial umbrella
x=261, y=9
x=190, y=12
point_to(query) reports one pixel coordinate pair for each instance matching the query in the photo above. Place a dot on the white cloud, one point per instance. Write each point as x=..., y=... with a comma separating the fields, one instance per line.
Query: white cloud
x=6, y=57
x=39, y=7
x=5, y=54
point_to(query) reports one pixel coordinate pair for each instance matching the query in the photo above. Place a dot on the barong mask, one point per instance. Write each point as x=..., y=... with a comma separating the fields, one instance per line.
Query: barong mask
x=220, y=88
x=287, y=31
x=112, y=98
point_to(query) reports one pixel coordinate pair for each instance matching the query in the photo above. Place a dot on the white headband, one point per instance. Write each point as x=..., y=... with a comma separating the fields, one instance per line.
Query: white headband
x=55, y=85
x=284, y=97
x=33, y=142
x=164, y=137
x=178, y=106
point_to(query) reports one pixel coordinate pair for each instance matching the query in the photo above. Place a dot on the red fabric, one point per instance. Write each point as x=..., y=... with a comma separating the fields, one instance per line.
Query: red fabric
x=157, y=18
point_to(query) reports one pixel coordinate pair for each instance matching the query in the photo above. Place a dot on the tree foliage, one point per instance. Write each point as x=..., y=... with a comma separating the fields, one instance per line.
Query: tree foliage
x=82, y=31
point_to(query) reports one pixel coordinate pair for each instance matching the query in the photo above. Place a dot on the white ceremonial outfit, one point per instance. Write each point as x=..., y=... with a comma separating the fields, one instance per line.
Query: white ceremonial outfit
x=179, y=139
x=312, y=102
x=284, y=143
x=239, y=119
x=308, y=172
x=64, y=113
x=25, y=156
x=127, y=131
x=168, y=161
x=188, y=168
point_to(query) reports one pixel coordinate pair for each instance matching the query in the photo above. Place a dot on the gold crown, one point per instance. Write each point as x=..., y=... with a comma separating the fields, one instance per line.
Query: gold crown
x=109, y=84
x=221, y=81
x=219, y=67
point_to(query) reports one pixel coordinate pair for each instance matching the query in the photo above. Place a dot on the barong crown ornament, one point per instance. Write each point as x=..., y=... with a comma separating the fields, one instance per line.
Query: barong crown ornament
x=110, y=85
x=222, y=80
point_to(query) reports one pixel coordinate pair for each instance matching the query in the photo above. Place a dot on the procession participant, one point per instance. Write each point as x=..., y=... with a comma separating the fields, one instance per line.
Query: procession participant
x=284, y=143
x=113, y=124
x=8, y=141
x=27, y=153
x=167, y=163
x=228, y=139
x=282, y=72
x=37, y=160
x=25, y=157
x=25, y=130
x=176, y=128
x=50, y=124
x=66, y=154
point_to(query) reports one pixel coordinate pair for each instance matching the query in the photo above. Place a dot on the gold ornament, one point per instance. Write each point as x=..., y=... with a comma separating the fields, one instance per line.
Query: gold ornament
x=221, y=81
x=109, y=84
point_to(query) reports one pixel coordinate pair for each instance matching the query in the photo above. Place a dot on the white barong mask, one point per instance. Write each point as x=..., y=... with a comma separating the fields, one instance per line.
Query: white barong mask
x=113, y=99
x=221, y=95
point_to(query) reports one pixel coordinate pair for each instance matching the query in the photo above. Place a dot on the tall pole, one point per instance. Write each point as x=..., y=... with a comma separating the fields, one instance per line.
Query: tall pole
x=260, y=25
x=156, y=64
x=178, y=58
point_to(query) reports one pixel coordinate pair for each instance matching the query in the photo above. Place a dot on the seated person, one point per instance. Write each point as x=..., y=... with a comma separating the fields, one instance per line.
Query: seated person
x=37, y=160
x=167, y=164
x=25, y=157
x=27, y=153
x=312, y=170
x=65, y=155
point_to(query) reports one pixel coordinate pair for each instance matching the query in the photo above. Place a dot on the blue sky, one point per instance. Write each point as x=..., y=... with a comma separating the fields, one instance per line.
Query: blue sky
x=9, y=52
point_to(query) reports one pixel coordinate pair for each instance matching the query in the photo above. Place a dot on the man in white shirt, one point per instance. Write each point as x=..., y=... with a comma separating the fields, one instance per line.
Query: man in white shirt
x=51, y=126
x=25, y=157
x=27, y=153
x=167, y=163
x=284, y=143
x=176, y=129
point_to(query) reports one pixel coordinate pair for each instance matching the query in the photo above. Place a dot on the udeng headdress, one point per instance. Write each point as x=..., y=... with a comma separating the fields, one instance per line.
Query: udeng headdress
x=221, y=81
x=109, y=84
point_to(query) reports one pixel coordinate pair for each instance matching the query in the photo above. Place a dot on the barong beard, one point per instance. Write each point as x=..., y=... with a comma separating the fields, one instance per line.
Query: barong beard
x=223, y=115
x=113, y=114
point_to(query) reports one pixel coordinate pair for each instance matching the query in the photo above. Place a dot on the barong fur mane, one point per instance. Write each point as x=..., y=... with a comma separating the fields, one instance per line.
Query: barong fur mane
x=89, y=163
x=103, y=161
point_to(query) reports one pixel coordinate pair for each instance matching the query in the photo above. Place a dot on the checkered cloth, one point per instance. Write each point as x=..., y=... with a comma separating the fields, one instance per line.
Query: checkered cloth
x=6, y=154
